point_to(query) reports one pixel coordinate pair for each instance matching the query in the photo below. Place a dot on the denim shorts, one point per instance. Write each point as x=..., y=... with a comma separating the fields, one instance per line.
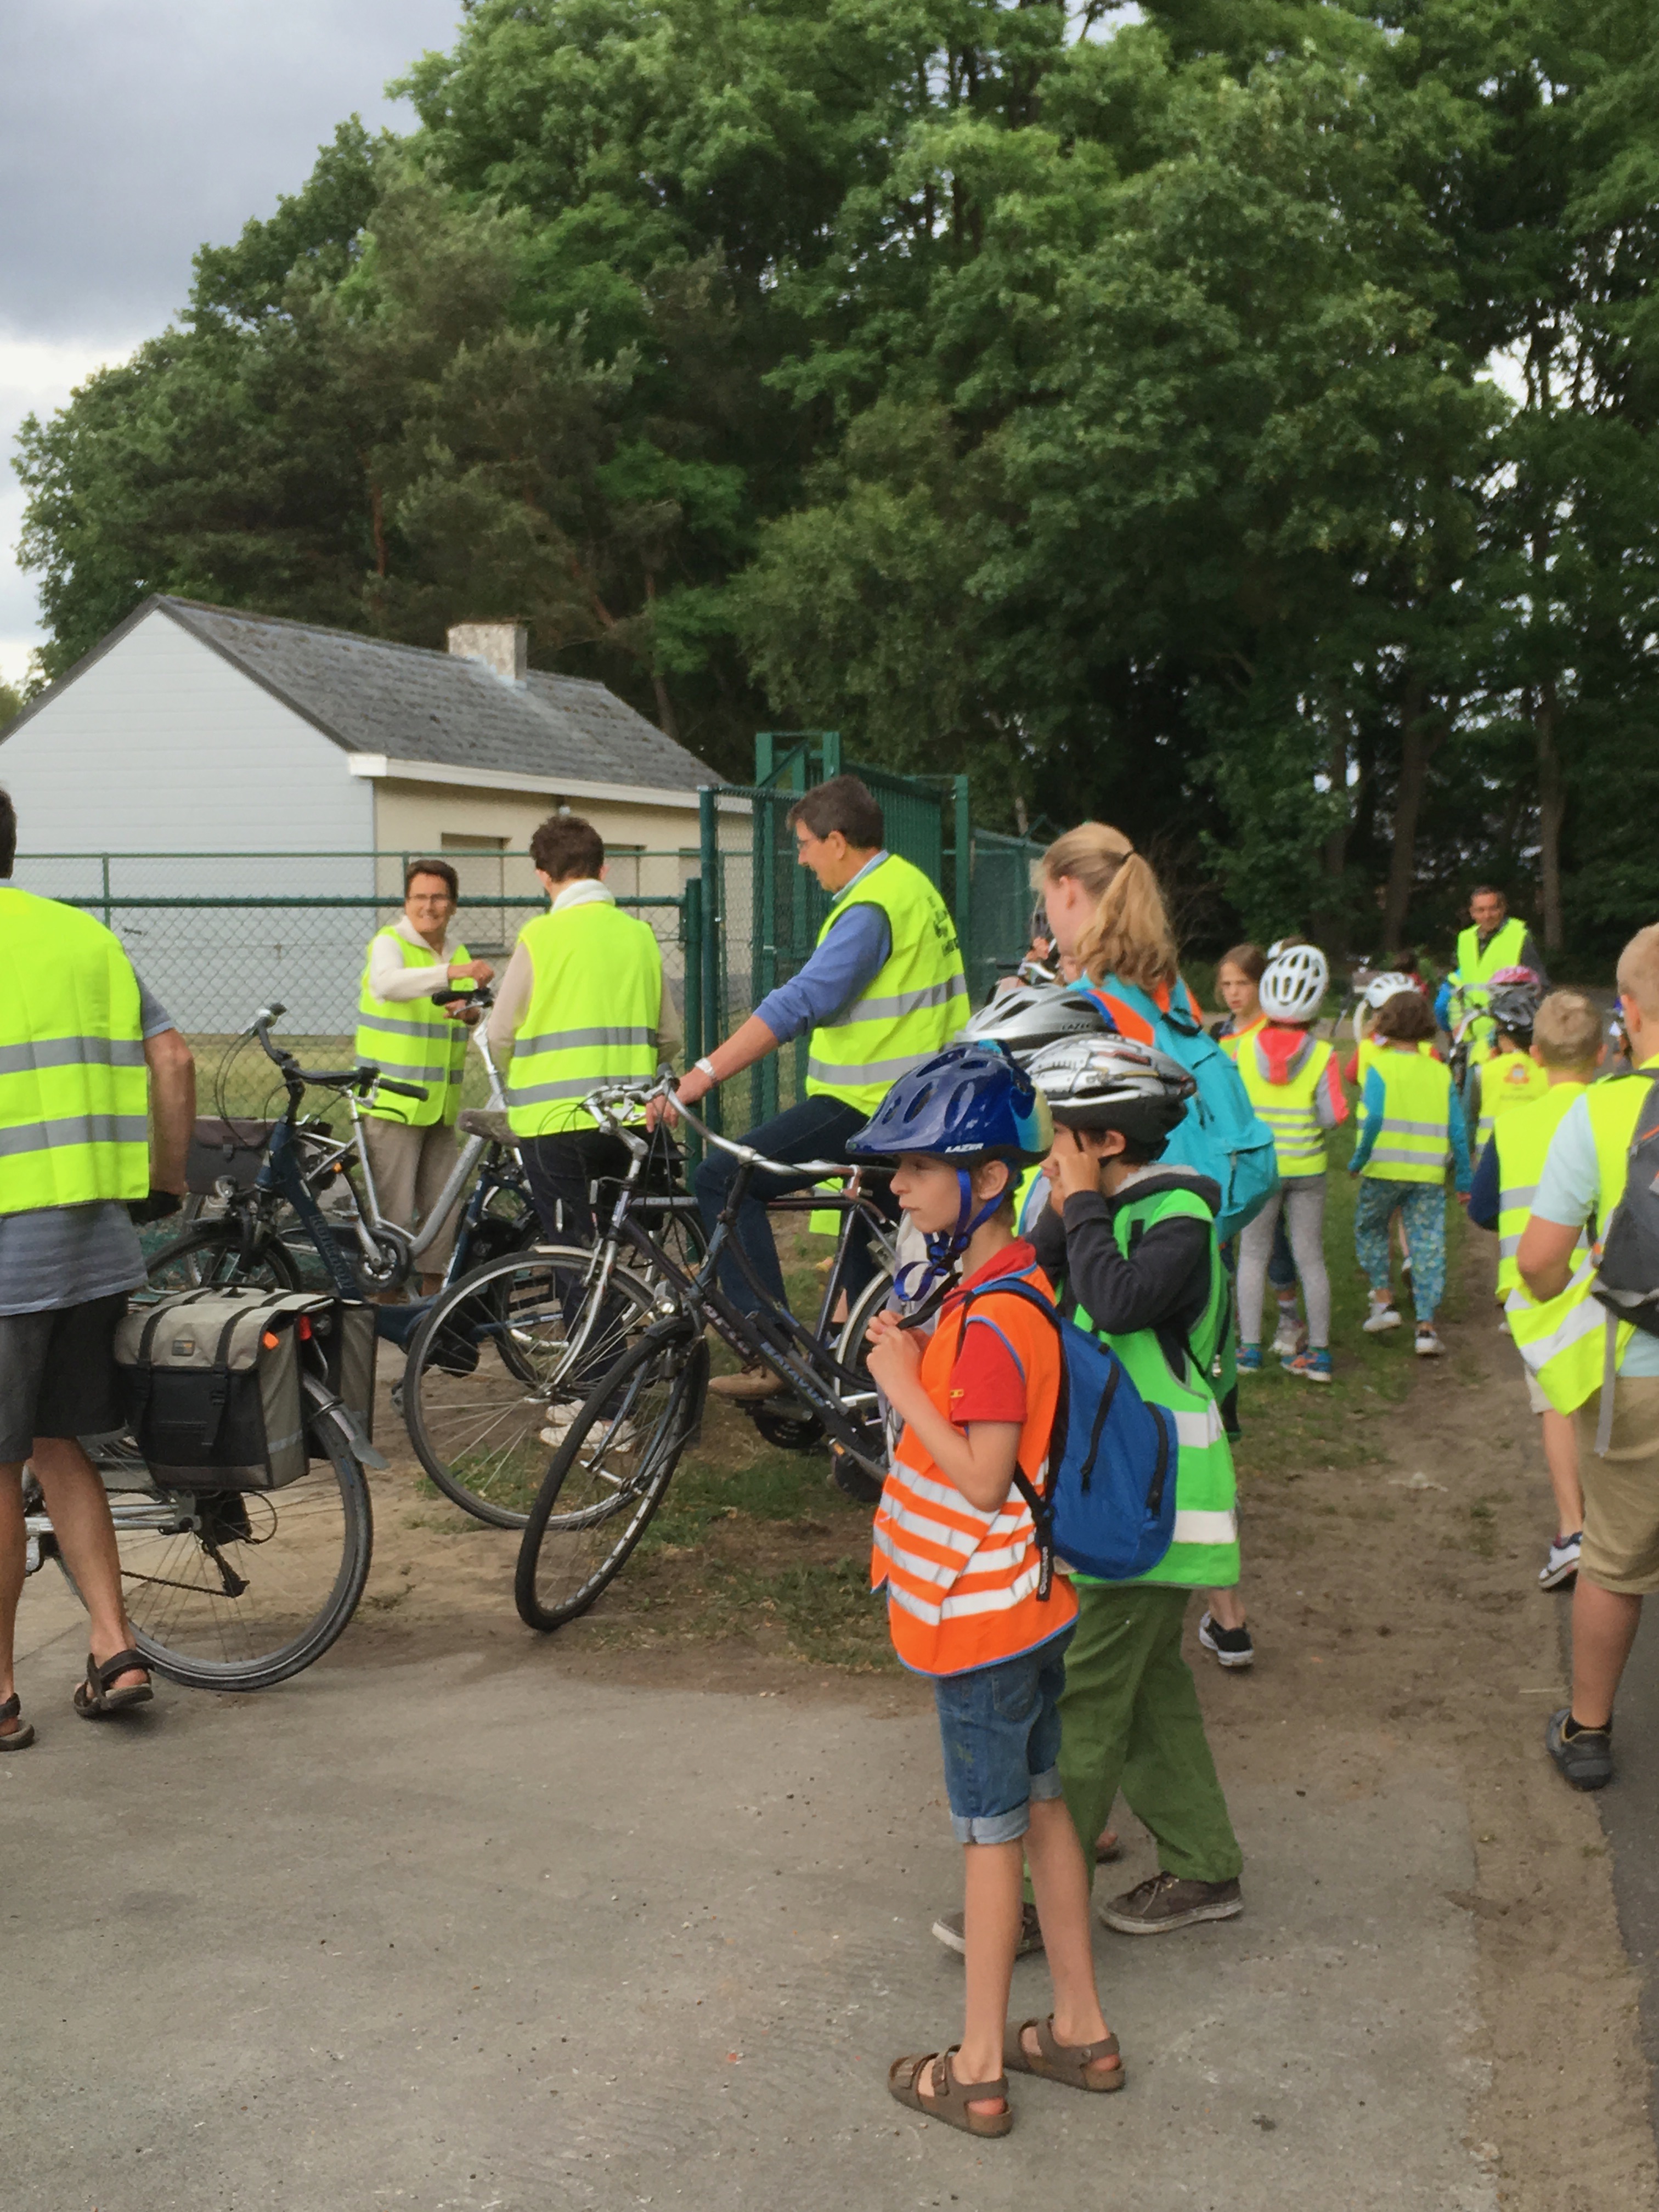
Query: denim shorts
x=1000, y=1727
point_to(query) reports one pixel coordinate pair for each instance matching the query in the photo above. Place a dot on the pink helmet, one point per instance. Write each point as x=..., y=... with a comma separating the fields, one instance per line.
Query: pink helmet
x=1511, y=976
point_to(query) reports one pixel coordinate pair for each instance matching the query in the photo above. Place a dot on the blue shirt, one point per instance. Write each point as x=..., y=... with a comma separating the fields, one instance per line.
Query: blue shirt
x=841, y=970
x=1569, y=1191
x=1372, y=1106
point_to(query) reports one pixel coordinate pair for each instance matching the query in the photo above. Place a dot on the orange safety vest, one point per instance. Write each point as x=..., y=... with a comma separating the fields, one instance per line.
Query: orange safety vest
x=962, y=1584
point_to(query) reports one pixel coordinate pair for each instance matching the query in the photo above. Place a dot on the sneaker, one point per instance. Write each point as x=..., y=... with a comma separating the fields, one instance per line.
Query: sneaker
x=1428, y=1344
x=1313, y=1366
x=1585, y=1761
x=754, y=1382
x=1231, y=1646
x=949, y=1930
x=1288, y=1339
x=1381, y=1318
x=1562, y=1564
x=1165, y=1902
x=1249, y=1359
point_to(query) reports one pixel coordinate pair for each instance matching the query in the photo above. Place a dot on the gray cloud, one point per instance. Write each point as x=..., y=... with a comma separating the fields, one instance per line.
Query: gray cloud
x=131, y=133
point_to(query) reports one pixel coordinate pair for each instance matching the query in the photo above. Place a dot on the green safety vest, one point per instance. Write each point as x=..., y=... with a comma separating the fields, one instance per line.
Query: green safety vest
x=1508, y=1080
x=916, y=1002
x=1476, y=968
x=1411, y=1145
x=1564, y=1341
x=73, y=1089
x=1205, y=1553
x=412, y=1045
x=1523, y=1140
x=594, y=1011
x=1288, y=1108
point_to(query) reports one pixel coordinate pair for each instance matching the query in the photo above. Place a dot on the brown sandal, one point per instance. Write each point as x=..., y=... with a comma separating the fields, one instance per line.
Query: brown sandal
x=1066, y=2062
x=17, y=1738
x=95, y=1700
x=946, y=2099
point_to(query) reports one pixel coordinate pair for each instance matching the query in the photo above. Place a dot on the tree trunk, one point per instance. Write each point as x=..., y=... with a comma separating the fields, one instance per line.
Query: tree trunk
x=1417, y=749
x=1552, y=806
x=1336, y=845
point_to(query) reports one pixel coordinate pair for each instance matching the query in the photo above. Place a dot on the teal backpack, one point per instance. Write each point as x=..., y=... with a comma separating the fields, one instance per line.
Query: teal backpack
x=1220, y=1136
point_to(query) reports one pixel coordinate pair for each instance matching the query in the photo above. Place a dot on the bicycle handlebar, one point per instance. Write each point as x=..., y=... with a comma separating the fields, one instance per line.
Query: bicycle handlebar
x=360, y=1077
x=605, y=1104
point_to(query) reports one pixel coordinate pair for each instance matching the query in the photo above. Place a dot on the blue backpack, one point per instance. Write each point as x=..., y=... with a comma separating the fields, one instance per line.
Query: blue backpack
x=1220, y=1136
x=1109, y=1507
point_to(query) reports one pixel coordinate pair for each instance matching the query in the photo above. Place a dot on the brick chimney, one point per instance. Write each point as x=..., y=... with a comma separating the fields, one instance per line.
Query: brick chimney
x=502, y=646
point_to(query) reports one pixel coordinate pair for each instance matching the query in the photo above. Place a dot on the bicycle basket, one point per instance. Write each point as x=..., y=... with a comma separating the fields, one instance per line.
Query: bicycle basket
x=223, y=1151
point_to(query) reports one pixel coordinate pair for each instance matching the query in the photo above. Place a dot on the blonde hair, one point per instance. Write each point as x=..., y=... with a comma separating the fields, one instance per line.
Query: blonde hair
x=1567, y=1030
x=1130, y=934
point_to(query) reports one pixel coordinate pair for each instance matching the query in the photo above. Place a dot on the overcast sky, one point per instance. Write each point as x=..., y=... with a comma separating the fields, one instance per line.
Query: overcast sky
x=129, y=136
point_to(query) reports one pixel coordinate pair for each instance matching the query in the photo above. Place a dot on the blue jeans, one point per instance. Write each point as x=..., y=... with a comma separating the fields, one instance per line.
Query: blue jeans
x=816, y=1129
x=1001, y=1728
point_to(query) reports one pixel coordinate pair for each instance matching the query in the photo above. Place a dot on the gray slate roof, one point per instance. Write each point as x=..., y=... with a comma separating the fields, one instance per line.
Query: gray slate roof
x=412, y=703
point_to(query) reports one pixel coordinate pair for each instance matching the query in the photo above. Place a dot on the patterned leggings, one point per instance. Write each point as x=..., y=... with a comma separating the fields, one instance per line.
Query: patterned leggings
x=1423, y=1212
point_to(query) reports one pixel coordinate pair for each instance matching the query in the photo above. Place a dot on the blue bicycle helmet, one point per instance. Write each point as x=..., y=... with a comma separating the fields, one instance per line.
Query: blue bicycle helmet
x=966, y=1102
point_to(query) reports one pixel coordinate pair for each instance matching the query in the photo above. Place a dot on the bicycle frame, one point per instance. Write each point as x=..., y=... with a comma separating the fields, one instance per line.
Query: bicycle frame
x=445, y=1203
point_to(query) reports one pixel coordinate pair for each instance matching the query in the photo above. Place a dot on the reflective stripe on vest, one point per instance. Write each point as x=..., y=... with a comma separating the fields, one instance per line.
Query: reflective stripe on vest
x=73, y=1089
x=594, y=1011
x=915, y=1002
x=1508, y=1080
x=962, y=1584
x=1411, y=1145
x=1205, y=1553
x=1569, y=1341
x=1288, y=1108
x=1523, y=1140
x=409, y=1045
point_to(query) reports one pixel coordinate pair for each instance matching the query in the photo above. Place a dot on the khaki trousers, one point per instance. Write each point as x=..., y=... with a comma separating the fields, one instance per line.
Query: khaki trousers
x=410, y=1168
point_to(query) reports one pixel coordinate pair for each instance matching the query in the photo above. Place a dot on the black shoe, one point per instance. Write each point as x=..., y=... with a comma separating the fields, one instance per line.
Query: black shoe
x=1585, y=1759
x=1231, y=1646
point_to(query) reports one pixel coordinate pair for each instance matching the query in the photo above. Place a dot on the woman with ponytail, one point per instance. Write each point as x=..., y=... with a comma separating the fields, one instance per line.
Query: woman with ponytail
x=1107, y=913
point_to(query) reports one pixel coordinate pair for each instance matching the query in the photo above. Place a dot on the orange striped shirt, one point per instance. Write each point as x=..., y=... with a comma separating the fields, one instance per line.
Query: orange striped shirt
x=962, y=1582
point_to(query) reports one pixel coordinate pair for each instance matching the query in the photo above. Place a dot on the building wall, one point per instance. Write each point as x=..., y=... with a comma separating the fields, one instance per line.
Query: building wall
x=416, y=818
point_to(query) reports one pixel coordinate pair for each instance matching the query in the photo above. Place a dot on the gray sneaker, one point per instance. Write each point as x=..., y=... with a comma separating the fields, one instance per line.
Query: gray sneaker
x=1165, y=1902
x=949, y=1930
x=1584, y=1761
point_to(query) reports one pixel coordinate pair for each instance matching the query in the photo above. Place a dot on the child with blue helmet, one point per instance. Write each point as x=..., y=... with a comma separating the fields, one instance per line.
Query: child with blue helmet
x=955, y=1547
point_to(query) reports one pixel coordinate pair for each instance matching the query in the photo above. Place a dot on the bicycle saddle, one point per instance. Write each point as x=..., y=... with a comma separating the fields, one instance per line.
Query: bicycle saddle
x=486, y=1121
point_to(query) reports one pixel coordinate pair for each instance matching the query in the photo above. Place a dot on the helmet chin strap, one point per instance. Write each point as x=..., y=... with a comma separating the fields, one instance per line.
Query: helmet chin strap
x=945, y=1247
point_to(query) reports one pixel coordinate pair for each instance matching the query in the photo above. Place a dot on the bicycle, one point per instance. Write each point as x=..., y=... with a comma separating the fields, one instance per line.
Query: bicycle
x=267, y=1223
x=233, y=1589
x=616, y=1457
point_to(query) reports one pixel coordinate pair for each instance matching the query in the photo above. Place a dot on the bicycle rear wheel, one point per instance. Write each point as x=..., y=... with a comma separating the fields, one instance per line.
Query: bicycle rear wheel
x=238, y=1589
x=608, y=1477
x=214, y=1256
x=499, y=1366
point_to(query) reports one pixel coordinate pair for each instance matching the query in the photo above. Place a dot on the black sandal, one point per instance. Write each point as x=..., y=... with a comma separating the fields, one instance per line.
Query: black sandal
x=18, y=1739
x=95, y=1700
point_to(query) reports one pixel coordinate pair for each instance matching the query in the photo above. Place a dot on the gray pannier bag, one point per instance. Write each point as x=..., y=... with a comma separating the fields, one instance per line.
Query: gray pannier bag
x=213, y=1385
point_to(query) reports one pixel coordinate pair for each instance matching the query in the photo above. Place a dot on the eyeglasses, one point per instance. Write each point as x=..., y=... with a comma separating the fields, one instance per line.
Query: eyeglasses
x=424, y=898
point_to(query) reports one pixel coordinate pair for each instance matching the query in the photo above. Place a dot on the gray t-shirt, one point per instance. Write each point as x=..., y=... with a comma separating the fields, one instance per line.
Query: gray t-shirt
x=65, y=1256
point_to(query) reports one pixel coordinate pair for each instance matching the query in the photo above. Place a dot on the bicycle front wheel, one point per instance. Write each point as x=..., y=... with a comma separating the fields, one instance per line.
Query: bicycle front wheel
x=238, y=1589
x=608, y=1477
x=499, y=1366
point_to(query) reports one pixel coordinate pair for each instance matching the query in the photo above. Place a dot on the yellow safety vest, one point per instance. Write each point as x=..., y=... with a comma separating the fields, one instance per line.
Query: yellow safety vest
x=1411, y=1145
x=1508, y=1080
x=594, y=1011
x=1230, y=1044
x=1476, y=968
x=1368, y=1052
x=1523, y=1140
x=1563, y=1339
x=915, y=1003
x=74, y=1091
x=1288, y=1108
x=412, y=1041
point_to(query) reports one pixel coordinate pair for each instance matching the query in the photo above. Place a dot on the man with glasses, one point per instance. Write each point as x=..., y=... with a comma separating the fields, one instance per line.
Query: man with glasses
x=411, y=1142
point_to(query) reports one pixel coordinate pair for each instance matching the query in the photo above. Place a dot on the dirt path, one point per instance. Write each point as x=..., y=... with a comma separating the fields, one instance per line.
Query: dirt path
x=1392, y=1545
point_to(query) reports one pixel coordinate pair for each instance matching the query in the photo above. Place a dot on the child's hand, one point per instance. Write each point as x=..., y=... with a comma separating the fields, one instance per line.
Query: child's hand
x=894, y=1354
x=1069, y=1167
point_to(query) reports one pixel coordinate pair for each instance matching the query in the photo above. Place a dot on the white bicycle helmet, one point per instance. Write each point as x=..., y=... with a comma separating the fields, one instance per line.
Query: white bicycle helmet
x=1294, y=985
x=1113, y=1083
x=1375, y=995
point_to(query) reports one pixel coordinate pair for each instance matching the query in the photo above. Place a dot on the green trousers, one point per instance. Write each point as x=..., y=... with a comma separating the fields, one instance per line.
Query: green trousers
x=1129, y=1720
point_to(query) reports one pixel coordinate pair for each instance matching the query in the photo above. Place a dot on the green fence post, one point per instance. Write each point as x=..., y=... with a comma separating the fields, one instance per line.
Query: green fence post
x=831, y=755
x=964, y=871
x=764, y=947
x=713, y=932
x=691, y=939
x=765, y=755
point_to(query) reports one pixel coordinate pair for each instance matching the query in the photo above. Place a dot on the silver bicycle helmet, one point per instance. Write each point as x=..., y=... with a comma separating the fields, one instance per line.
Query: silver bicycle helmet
x=1113, y=1083
x=1514, y=1007
x=1294, y=985
x=1025, y=1020
x=1378, y=990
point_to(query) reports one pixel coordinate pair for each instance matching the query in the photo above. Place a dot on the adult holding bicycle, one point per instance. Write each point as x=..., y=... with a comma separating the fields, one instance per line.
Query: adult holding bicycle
x=884, y=989
x=88, y=1060
x=1494, y=939
x=409, y=1143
